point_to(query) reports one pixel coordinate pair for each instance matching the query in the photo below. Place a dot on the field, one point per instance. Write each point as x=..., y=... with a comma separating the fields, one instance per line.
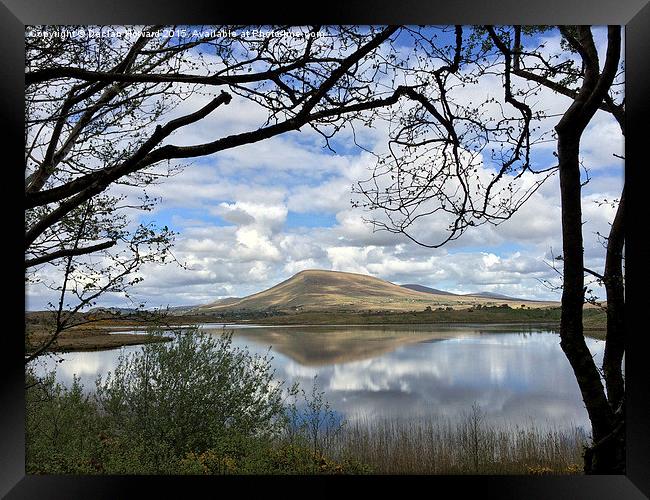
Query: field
x=93, y=336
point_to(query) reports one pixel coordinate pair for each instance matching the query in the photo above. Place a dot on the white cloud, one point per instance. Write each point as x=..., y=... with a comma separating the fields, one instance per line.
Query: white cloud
x=266, y=218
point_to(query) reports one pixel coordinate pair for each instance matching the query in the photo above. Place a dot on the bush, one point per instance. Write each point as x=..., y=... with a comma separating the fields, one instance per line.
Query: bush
x=196, y=405
x=62, y=429
x=188, y=395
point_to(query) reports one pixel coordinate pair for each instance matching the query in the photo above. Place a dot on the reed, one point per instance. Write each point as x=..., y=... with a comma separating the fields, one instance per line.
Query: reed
x=470, y=445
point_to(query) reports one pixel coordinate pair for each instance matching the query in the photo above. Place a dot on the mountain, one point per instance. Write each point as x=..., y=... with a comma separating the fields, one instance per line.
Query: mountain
x=485, y=295
x=180, y=310
x=318, y=290
x=226, y=301
x=492, y=295
x=426, y=289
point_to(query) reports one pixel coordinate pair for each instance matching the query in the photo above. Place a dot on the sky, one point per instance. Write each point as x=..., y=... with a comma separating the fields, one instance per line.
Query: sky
x=250, y=217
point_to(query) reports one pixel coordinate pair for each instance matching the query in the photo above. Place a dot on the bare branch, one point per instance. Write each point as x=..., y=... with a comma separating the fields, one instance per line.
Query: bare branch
x=68, y=252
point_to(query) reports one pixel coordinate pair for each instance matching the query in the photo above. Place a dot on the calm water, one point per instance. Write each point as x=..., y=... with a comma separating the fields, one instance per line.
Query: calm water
x=516, y=374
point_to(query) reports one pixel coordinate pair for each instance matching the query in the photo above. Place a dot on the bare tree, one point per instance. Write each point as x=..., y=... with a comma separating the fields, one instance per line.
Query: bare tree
x=432, y=175
x=102, y=113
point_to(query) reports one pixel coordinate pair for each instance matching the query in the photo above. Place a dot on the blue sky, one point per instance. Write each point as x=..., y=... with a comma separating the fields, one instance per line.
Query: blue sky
x=253, y=216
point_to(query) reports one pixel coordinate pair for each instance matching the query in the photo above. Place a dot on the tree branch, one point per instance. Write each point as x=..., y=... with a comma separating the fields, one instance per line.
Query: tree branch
x=52, y=156
x=67, y=252
x=43, y=75
x=594, y=273
x=94, y=183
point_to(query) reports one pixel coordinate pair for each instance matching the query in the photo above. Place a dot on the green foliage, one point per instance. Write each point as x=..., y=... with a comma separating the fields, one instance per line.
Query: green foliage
x=262, y=457
x=62, y=428
x=191, y=392
x=195, y=405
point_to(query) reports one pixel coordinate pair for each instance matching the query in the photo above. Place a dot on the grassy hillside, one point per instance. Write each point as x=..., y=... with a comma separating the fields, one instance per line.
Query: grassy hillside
x=426, y=289
x=316, y=290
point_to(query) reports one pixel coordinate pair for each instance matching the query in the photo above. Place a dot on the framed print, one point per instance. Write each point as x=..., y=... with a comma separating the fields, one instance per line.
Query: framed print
x=380, y=242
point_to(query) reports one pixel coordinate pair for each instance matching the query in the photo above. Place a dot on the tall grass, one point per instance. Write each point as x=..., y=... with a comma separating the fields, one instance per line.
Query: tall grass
x=466, y=446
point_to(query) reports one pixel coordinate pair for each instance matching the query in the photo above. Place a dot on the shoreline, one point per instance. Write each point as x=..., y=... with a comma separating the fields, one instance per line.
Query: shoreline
x=103, y=333
x=112, y=339
x=86, y=341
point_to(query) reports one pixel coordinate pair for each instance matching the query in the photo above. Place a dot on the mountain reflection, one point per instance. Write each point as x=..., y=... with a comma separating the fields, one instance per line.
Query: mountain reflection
x=322, y=346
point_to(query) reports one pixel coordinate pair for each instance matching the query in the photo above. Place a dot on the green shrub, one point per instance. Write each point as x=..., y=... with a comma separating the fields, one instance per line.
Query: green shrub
x=62, y=429
x=188, y=395
x=196, y=405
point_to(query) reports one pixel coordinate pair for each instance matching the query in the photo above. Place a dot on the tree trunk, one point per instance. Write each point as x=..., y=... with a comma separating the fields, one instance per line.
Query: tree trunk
x=615, y=288
x=601, y=458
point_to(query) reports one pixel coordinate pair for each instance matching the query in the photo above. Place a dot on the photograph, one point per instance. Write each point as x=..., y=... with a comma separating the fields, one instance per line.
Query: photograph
x=356, y=249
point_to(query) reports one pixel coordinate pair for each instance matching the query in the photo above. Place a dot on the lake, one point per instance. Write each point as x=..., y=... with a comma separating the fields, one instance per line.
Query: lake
x=517, y=374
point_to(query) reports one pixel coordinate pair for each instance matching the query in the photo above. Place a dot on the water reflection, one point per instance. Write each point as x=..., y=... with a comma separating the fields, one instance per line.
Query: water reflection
x=410, y=371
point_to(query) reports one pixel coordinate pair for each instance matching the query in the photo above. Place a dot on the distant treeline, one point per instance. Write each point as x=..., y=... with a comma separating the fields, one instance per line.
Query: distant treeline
x=594, y=318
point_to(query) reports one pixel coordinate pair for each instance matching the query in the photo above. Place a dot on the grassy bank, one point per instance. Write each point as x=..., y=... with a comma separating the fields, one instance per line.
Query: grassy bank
x=83, y=339
x=482, y=315
x=87, y=332
x=467, y=446
x=594, y=319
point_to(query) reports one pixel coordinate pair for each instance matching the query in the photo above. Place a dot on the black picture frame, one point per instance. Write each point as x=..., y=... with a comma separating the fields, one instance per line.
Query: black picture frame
x=634, y=14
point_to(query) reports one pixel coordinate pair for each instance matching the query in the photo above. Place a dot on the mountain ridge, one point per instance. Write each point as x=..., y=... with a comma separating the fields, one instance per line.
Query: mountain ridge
x=427, y=289
x=322, y=290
